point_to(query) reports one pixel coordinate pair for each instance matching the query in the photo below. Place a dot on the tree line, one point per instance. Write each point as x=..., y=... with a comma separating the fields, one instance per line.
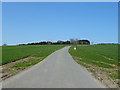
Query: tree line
x=59, y=42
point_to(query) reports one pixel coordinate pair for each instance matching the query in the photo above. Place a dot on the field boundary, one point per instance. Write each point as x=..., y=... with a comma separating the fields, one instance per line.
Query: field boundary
x=98, y=74
x=13, y=68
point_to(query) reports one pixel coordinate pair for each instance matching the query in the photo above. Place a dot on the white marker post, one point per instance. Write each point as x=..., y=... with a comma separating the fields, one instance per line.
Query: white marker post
x=74, y=48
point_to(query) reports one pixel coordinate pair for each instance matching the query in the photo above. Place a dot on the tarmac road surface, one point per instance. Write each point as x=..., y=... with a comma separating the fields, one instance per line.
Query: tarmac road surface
x=58, y=70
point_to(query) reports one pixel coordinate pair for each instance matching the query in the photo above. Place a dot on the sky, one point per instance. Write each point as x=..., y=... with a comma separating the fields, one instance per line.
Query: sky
x=60, y=0
x=25, y=22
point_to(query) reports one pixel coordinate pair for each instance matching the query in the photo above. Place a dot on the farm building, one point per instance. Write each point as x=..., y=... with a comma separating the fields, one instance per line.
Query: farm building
x=85, y=42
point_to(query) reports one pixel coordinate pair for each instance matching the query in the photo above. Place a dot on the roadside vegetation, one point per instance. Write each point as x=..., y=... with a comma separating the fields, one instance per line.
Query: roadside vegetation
x=101, y=60
x=18, y=58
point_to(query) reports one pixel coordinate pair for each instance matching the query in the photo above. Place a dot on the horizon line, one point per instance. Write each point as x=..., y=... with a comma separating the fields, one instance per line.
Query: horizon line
x=91, y=42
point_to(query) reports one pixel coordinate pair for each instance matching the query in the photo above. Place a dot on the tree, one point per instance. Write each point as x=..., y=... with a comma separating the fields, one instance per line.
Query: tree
x=49, y=42
x=5, y=44
x=74, y=41
x=59, y=42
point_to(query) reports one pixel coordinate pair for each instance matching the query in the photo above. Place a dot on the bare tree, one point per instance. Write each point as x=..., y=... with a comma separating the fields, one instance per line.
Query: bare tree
x=49, y=42
x=74, y=41
x=60, y=42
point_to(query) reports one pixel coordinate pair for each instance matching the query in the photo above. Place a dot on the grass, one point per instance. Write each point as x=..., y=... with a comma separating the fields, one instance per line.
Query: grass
x=102, y=58
x=97, y=53
x=25, y=64
x=14, y=53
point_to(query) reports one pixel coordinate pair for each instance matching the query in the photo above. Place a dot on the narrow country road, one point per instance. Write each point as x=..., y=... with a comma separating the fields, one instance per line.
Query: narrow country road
x=58, y=70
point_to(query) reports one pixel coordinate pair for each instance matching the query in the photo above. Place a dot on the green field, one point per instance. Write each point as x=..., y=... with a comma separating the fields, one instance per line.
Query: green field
x=102, y=58
x=94, y=53
x=13, y=53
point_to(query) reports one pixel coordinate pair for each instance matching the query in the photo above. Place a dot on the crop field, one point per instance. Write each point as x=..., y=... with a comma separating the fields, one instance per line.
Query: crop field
x=102, y=60
x=13, y=53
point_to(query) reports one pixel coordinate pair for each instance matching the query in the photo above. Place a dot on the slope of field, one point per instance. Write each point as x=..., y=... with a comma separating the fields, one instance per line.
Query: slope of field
x=102, y=60
x=13, y=53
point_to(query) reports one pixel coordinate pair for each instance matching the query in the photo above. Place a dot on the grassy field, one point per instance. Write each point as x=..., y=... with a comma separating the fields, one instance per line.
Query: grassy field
x=102, y=60
x=13, y=53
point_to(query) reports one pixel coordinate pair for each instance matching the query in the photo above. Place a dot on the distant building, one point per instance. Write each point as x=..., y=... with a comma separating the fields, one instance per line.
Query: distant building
x=84, y=42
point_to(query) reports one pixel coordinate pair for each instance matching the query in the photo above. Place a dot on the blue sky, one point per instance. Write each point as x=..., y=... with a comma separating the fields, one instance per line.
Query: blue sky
x=25, y=22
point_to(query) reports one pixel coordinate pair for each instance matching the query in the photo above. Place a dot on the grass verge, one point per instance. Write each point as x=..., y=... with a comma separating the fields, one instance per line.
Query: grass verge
x=13, y=68
x=101, y=60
